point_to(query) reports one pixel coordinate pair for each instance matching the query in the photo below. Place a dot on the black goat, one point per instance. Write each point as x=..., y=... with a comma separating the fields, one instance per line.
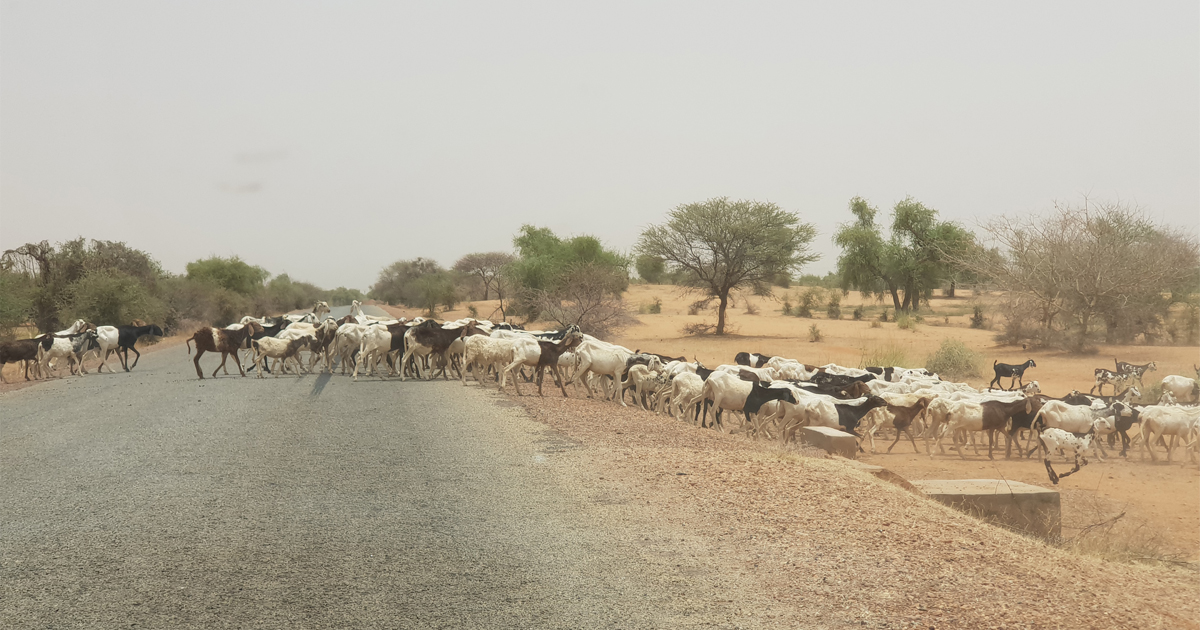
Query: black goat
x=850, y=415
x=127, y=337
x=1014, y=372
x=25, y=351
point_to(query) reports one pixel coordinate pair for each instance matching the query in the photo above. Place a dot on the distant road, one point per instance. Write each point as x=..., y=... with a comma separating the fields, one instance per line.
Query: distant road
x=154, y=500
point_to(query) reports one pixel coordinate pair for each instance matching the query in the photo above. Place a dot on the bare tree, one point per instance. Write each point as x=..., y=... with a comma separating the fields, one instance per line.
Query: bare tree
x=486, y=266
x=590, y=299
x=1082, y=267
x=722, y=245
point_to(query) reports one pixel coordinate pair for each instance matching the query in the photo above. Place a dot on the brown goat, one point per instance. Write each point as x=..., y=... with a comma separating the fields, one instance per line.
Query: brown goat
x=996, y=415
x=221, y=340
x=902, y=419
x=551, y=352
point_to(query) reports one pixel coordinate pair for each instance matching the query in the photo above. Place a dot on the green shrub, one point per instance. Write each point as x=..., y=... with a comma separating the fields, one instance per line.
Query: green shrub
x=112, y=297
x=833, y=308
x=814, y=334
x=472, y=311
x=787, y=305
x=810, y=299
x=904, y=321
x=954, y=360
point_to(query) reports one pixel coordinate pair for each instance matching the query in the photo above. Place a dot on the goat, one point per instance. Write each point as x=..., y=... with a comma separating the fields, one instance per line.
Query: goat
x=1177, y=422
x=1134, y=371
x=951, y=416
x=1105, y=376
x=1053, y=439
x=281, y=350
x=24, y=351
x=641, y=379
x=484, y=352
x=550, y=353
x=1184, y=389
x=752, y=360
x=61, y=346
x=902, y=420
x=600, y=359
x=997, y=414
x=725, y=391
x=429, y=337
x=1013, y=372
x=221, y=340
x=373, y=349
x=127, y=337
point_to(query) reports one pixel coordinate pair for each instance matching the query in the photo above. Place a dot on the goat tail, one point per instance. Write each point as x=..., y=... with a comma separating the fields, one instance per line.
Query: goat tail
x=994, y=362
x=189, y=346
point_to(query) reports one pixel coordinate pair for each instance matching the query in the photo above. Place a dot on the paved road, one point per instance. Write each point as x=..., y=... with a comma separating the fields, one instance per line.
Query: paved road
x=152, y=499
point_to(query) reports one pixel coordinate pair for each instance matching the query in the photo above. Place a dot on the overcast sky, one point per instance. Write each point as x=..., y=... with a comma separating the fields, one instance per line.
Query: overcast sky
x=326, y=140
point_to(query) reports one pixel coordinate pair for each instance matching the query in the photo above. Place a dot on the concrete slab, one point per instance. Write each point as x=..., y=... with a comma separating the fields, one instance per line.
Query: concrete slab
x=830, y=440
x=1013, y=504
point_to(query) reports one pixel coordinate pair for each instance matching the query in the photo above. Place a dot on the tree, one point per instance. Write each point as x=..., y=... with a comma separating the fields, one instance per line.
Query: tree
x=229, y=273
x=589, y=299
x=16, y=301
x=652, y=269
x=910, y=263
x=542, y=272
x=485, y=266
x=112, y=297
x=724, y=245
x=417, y=283
x=342, y=296
x=1102, y=264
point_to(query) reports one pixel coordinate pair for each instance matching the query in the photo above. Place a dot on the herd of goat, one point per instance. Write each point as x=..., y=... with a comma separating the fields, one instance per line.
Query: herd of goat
x=775, y=395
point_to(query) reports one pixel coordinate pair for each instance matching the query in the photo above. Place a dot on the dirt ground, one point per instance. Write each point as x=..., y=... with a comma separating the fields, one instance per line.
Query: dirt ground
x=833, y=547
x=1159, y=495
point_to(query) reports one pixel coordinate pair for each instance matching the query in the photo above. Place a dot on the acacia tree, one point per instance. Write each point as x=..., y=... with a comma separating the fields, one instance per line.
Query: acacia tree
x=486, y=266
x=912, y=261
x=721, y=245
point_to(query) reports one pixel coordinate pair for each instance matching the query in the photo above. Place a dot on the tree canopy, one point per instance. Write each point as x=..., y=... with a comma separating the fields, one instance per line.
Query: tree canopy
x=722, y=245
x=228, y=273
x=486, y=268
x=909, y=263
x=416, y=283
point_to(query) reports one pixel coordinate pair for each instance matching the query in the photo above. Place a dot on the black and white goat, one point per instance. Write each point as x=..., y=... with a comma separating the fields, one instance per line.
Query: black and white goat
x=1016, y=373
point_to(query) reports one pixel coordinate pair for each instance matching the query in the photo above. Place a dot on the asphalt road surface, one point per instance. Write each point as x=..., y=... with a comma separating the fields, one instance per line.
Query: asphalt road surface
x=155, y=500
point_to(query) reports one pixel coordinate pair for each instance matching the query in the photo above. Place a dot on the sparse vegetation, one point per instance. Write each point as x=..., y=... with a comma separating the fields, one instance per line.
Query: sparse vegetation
x=833, y=308
x=653, y=308
x=751, y=309
x=811, y=298
x=698, y=328
x=883, y=356
x=906, y=321
x=977, y=320
x=787, y=306
x=814, y=334
x=858, y=313
x=955, y=360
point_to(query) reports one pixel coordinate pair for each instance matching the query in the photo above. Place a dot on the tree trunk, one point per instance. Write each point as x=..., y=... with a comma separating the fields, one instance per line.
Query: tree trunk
x=895, y=297
x=721, y=313
x=950, y=293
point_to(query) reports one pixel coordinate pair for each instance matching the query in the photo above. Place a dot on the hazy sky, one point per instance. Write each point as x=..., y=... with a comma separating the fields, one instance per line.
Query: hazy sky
x=326, y=140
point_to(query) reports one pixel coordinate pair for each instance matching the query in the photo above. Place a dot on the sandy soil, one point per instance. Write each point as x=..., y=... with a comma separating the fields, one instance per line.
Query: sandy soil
x=1166, y=496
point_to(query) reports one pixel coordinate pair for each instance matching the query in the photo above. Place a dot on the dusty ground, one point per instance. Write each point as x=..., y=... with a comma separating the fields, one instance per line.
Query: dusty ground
x=837, y=547
x=1162, y=496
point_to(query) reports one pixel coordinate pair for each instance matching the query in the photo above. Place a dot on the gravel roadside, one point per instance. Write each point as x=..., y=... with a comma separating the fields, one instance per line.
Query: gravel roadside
x=836, y=547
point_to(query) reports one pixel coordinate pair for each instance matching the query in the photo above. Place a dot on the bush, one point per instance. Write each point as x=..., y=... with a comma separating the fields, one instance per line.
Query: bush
x=977, y=320
x=699, y=305
x=698, y=328
x=883, y=317
x=653, y=308
x=858, y=312
x=16, y=302
x=904, y=321
x=112, y=297
x=814, y=334
x=954, y=360
x=833, y=307
x=876, y=324
x=810, y=299
x=751, y=309
x=787, y=305
x=472, y=311
x=883, y=356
